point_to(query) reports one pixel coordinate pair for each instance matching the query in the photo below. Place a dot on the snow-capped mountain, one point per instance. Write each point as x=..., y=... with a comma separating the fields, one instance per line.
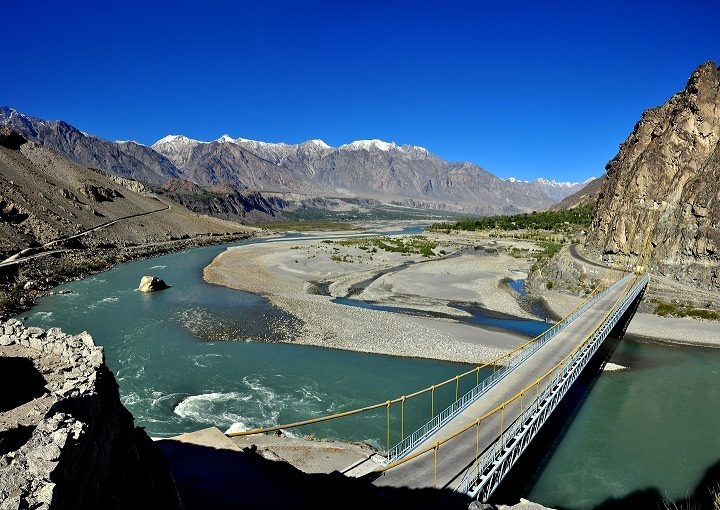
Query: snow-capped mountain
x=556, y=190
x=372, y=168
x=177, y=148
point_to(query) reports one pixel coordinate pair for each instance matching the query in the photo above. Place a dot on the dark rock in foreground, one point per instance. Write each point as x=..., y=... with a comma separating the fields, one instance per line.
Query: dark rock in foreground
x=69, y=443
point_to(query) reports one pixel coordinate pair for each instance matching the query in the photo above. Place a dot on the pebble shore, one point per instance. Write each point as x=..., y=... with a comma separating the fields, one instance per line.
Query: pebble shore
x=675, y=330
x=472, y=270
x=289, y=272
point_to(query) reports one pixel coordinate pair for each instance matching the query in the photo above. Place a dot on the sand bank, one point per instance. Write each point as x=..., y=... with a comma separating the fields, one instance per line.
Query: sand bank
x=304, y=276
x=683, y=330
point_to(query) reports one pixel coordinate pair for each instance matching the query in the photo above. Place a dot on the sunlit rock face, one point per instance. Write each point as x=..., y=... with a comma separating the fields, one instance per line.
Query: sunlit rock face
x=661, y=192
x=152, y=284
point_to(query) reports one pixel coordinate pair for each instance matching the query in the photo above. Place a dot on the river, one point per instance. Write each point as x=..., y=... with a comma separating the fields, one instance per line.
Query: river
x=198, y=355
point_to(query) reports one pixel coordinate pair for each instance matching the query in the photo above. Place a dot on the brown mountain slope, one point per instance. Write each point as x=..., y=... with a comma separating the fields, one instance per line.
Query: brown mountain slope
x=76, y=220
x=45, y=196
x=587, y=195
x=661, y=191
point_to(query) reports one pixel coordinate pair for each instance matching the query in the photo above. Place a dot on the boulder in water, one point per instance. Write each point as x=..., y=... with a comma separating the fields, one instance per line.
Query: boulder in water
x=151, y=284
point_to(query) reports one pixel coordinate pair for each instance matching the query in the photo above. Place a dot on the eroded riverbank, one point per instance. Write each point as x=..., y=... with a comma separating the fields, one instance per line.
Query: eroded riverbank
x=289, y=273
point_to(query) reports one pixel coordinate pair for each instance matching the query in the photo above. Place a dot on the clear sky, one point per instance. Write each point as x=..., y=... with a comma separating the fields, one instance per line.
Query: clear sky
x=522, y=88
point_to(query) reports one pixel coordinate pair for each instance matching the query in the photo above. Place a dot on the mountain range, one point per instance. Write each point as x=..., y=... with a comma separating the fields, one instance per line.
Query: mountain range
x=46, y=199
x=292, y=175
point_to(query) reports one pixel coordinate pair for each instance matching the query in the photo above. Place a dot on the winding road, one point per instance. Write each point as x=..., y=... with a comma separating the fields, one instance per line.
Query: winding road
x=17, y=258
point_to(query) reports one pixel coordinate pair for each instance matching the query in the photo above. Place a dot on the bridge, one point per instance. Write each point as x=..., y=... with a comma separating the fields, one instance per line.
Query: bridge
x=471, y=444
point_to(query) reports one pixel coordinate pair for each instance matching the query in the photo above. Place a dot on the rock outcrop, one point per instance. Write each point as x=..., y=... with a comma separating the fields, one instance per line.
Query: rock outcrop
x=66, y=441
x=222, y=201
x=152, y=284
x=11, y=139
x=661, y=192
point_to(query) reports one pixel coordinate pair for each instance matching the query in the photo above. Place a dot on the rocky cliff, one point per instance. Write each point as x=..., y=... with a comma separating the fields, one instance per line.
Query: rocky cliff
x=126, y=159
x=66, y=441
x=661, y=191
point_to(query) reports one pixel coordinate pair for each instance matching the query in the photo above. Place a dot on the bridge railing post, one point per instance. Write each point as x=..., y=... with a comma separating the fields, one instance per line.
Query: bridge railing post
x=500, y=369
x=495, y=462
x=387, y=405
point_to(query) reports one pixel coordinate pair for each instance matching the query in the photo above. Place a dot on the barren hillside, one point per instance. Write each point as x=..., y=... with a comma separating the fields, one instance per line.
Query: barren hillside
x=75, y=219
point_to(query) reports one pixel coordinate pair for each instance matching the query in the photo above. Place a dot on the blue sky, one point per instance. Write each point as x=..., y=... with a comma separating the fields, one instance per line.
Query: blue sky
x=523, y=89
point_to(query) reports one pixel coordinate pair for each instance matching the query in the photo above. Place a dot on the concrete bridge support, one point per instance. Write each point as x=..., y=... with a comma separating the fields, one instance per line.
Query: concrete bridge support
x=621, y=327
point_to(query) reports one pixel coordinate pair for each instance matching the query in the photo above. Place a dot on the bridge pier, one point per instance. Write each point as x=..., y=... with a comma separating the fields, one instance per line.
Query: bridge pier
x=621, y=327
x=495, y=463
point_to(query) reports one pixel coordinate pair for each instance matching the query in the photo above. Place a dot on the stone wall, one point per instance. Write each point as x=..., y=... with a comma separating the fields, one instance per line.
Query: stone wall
x=67, y=442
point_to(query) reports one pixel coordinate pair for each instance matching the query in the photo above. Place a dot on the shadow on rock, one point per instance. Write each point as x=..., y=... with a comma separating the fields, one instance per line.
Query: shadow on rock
x=217, y=478
x=703, y=498
x=21, y=382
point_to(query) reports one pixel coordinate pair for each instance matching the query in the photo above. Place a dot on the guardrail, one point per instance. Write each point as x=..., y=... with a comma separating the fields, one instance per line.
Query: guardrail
x=409, y=443
x=485, y=473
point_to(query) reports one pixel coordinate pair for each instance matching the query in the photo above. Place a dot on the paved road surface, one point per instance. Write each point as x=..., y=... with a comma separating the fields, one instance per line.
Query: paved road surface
x=455, y=456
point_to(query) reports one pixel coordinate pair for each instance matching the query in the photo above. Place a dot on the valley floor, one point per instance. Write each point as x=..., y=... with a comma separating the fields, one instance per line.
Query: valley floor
x=305, y=276
x=675, y=330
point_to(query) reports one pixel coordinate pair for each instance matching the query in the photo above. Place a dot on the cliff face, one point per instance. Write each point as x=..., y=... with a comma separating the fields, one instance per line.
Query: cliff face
x=661, y=191
x=66, y=441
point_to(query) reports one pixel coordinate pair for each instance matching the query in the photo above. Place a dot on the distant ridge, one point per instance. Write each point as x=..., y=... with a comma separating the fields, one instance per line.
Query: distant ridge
x=403, y=175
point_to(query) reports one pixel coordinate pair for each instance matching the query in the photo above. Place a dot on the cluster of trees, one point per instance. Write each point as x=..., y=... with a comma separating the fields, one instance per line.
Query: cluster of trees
x=562, y=220
x=420, y=245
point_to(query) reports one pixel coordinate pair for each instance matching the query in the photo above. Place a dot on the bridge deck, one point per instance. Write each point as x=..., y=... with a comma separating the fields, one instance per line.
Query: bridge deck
x=443, y=468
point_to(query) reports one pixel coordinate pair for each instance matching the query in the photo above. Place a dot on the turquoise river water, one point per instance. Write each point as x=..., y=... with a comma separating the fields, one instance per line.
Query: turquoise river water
x=198, y=355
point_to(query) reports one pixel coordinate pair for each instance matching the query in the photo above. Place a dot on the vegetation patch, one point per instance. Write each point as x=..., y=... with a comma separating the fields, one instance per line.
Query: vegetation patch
x=413, y=245
x=10, y=301
x=208, y=196
x=566, y=221
x=71, y=267
x=664, y=309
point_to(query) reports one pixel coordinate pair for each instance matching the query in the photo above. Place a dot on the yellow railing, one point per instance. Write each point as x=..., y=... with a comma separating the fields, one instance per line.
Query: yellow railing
x=435, y=447
x=431, y=389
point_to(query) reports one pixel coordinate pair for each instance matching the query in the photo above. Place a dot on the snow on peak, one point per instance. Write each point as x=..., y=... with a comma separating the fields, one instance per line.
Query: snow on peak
x=369, y=144
x=557, y=184
x=319, y=143
x=256, y=144
x=552, y=183
x=175, y=140
x=246, y=140
x=128, y=141
x=226, y=139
